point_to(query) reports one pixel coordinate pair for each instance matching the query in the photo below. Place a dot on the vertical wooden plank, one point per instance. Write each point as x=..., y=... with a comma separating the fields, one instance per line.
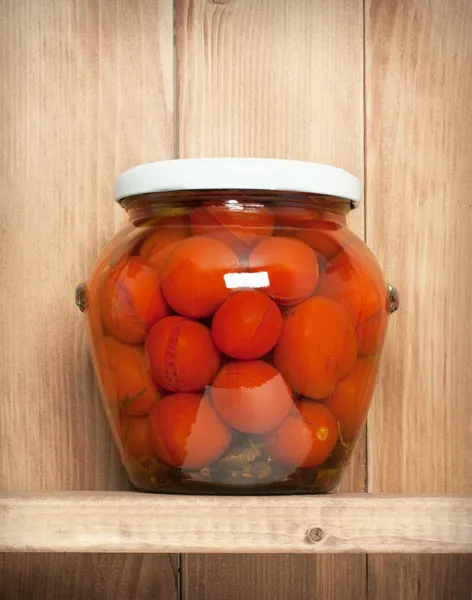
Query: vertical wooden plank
x=273, y=577
x=419, y=219
x=87, y=90
x=272, y=78
x=406, y=577
x=87, y=577
x=82, y=84
x=281, y=79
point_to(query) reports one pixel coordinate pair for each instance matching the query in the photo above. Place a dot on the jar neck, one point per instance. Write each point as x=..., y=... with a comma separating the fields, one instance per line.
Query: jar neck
x=156, y=207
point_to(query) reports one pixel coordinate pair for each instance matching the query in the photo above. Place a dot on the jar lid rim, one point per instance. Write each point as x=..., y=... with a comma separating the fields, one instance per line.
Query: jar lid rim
x=238, y=173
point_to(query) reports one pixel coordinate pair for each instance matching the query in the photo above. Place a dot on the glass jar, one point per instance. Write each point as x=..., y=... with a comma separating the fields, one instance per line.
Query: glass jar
x=236, y=326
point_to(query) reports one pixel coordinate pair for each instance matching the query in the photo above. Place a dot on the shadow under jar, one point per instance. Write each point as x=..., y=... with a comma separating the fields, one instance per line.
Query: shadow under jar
x=236, y=326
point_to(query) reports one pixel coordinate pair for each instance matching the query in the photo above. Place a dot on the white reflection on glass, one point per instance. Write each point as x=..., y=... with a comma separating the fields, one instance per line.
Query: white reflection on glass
x=234, y=205
x=247, y=280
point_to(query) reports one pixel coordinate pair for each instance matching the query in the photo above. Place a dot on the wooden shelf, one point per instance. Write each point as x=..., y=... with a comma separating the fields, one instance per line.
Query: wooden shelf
x=133, y=522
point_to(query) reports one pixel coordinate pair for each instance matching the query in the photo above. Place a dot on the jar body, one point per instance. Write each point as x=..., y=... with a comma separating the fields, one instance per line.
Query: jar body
x=236, y=336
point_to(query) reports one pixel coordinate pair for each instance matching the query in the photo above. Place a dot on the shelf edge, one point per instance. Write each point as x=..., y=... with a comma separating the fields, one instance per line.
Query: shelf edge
x=144, y=523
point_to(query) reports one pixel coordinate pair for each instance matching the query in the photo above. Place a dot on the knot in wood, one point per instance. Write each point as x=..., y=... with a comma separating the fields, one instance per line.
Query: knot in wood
x=314, y=535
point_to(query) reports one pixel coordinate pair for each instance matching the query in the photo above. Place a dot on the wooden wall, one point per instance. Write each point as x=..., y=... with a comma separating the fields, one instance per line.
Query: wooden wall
x=382, y=88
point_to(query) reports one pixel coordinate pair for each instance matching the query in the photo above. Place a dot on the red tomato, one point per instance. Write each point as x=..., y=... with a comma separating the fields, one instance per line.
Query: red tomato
x=371, y=333
x=134, y=434
x=317, y=347
x=350, y=401
x=131, y=301
x=193, y=279
x=247, y=325
x=291, y=266
x=354, y=281
x=251, y=396
x=306, y=438
x=182, y=355
x=323, y=235
x=125, y=378
x=240, y=225
x=158, y=245
x=186, y=432
x=290, y=219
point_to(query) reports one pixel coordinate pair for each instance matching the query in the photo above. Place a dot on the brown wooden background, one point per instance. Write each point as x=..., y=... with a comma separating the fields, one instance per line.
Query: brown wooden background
x=382, y=88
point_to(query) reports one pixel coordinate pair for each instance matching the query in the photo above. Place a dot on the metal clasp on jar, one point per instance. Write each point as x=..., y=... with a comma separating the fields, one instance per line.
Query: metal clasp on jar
x=393, y=299
x=81, y=296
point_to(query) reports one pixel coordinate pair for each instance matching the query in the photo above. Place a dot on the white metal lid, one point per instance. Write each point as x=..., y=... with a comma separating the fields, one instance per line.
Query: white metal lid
x=238, y=173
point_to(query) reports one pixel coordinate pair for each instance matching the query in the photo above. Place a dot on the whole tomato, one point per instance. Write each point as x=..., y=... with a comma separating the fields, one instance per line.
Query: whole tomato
x=316, y=348
x=251, y=396
x=131, y=300
x=247, y=325
x=125, y=378
x=291, y=267
x=182, y=355
x=194, y=278
x=306, y=438
x=186, y=432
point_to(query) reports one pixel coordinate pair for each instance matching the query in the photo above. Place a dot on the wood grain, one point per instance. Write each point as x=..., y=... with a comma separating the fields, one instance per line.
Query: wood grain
x=261, y=78
x=75, y=103
x=405, y=577
x=88, y=90
x=419, y=218
x=273, y=577
x=82, y=83
x=277, y=79
x=87, y=577
x=133, y=522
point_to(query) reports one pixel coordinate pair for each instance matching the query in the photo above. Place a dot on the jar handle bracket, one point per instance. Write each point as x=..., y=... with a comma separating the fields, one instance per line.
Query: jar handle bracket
x=81, y=296
x=393, y=301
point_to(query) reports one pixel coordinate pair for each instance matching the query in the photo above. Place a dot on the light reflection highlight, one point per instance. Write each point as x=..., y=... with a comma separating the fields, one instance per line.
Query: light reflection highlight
x=247, y=280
